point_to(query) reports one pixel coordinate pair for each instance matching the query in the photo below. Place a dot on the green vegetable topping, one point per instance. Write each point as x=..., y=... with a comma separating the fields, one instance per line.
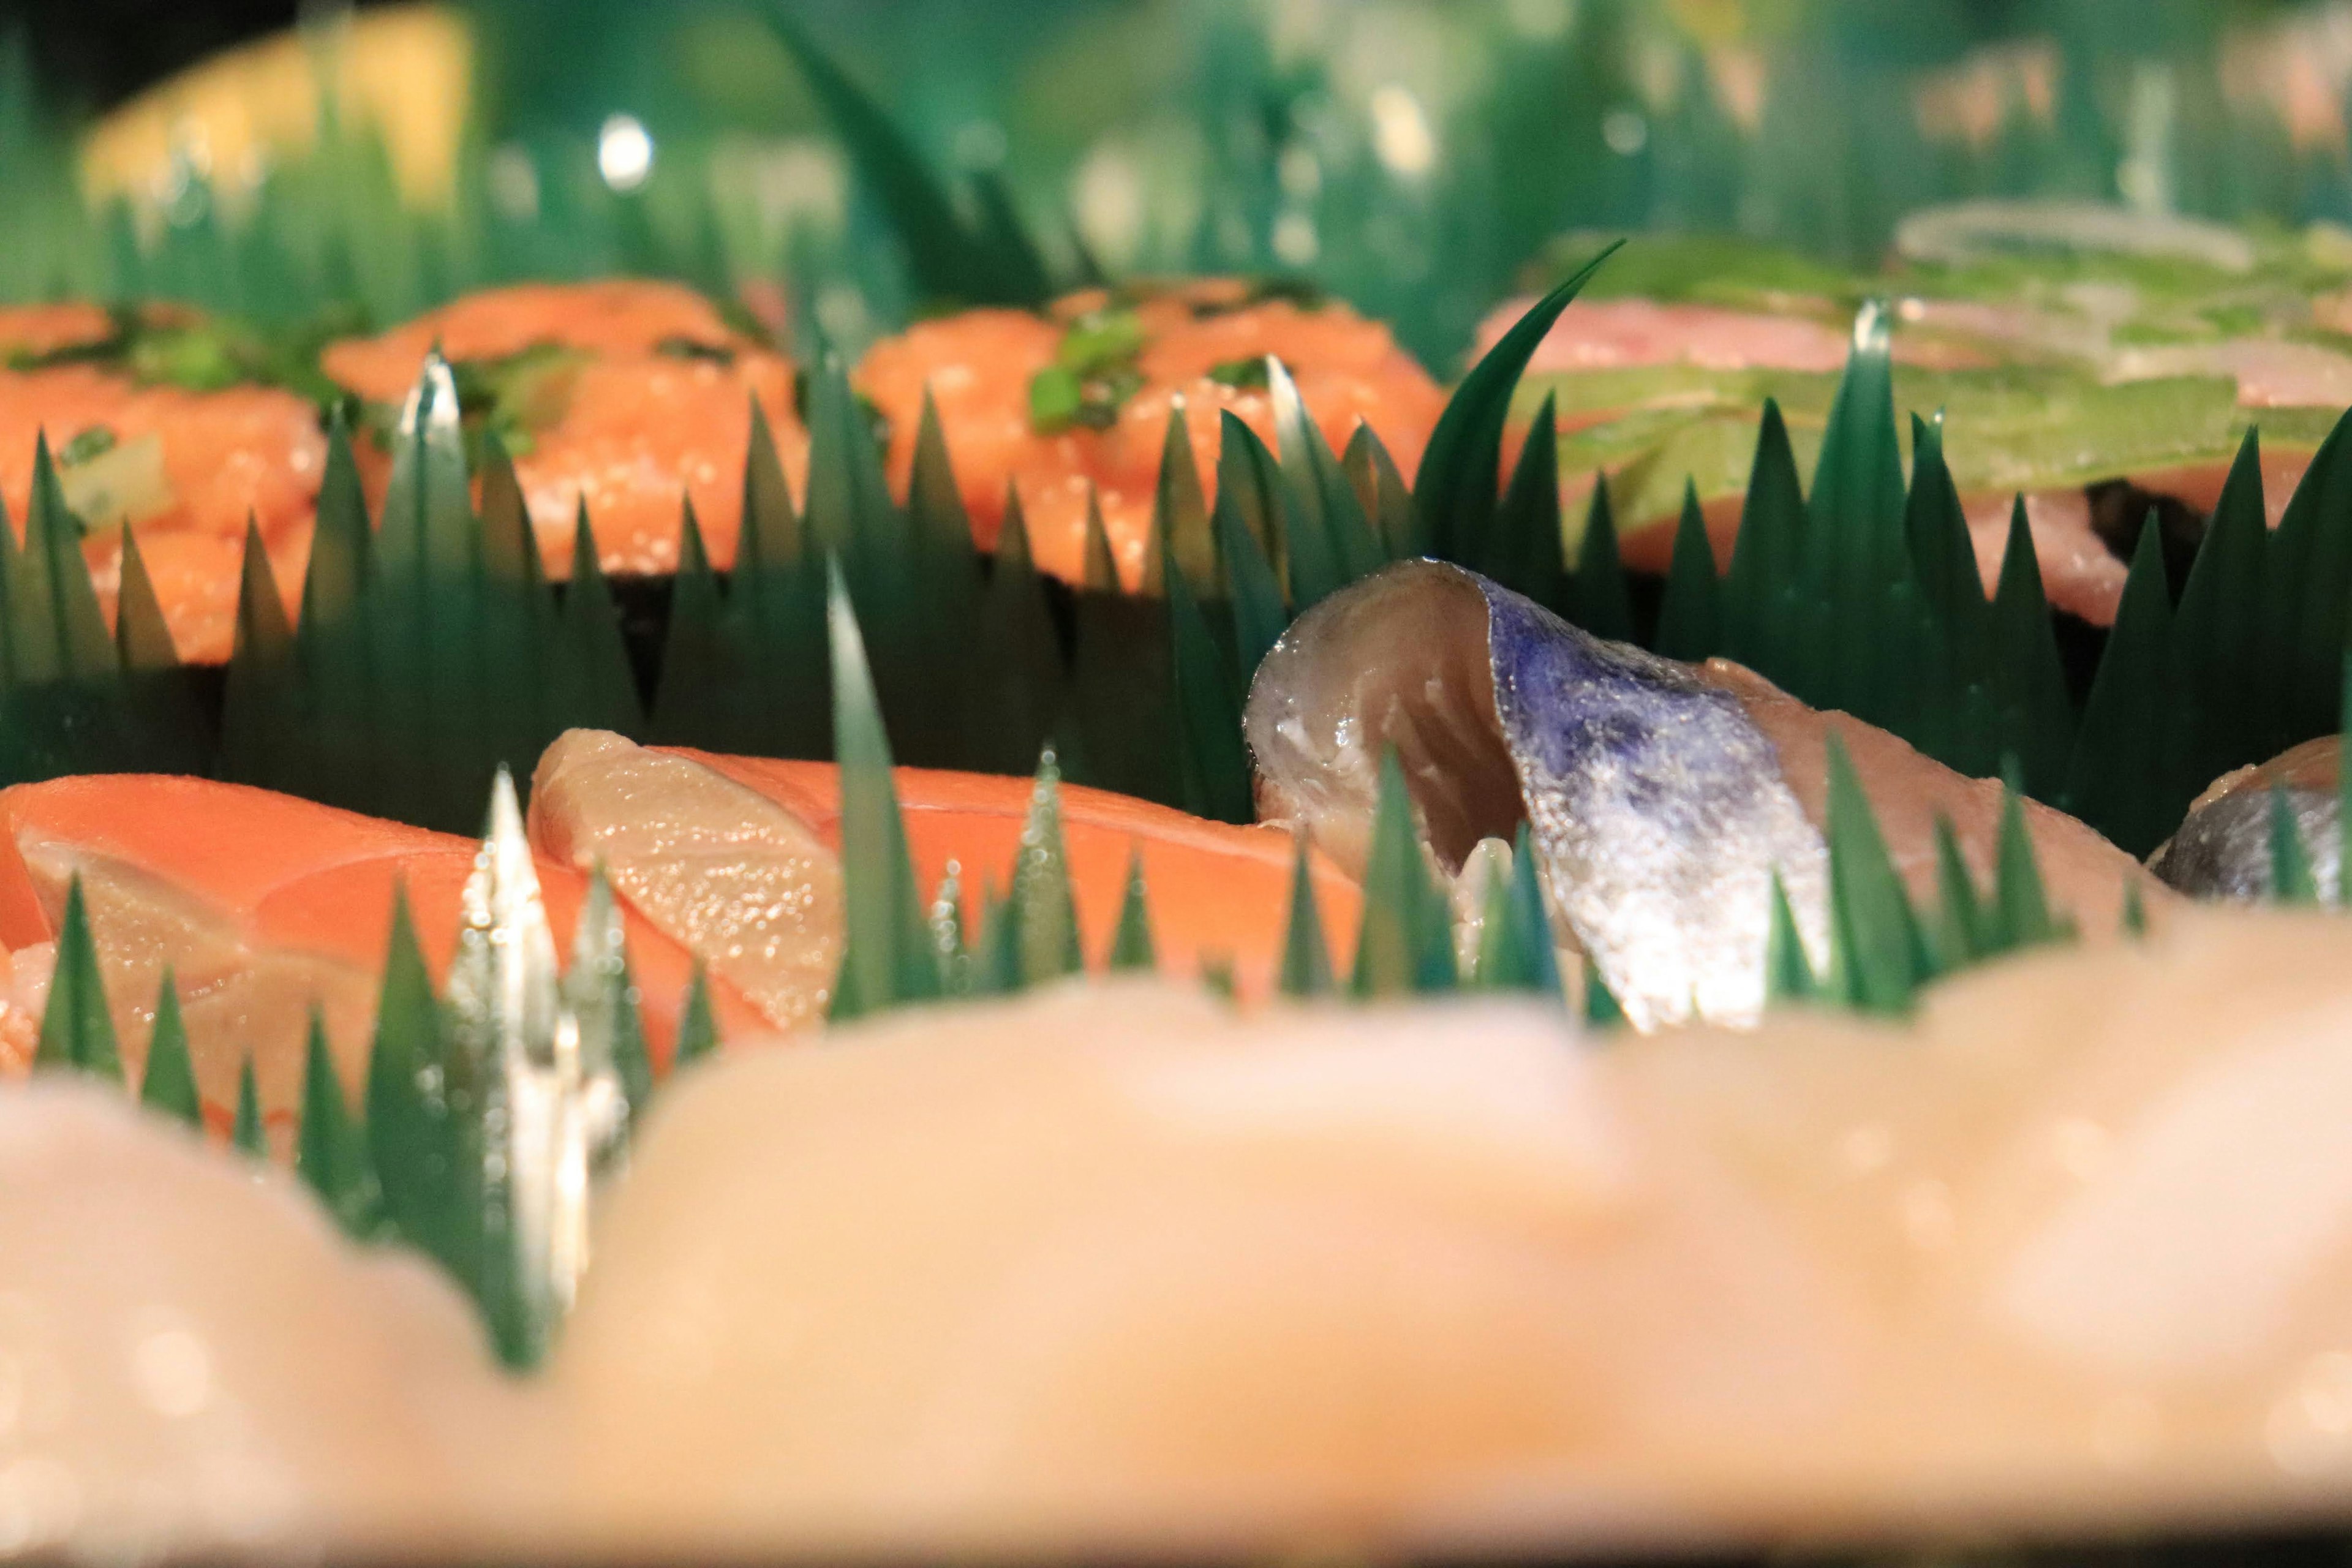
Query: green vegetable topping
x=1240, y=372
x=199, y=359
x=1092, y=373
x=687, y=349
x=1055, y=395
x=517, y=395
x=1100, y=340
x=93, y=441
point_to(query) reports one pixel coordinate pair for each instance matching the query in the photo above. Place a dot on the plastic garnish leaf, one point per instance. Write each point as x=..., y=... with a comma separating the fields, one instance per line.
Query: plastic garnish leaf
x=1305, y=959
x=1130, y=945
x=247, y=1134
x=76, y=1031
x=168, y=1084
x=2291, y=876
x=1454, y=493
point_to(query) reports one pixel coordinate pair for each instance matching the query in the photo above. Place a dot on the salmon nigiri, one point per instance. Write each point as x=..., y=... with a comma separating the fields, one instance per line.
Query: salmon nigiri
x=156, y=423
x=734, y=857
x=262, y=907
x=621, y=395
x=1074, y=402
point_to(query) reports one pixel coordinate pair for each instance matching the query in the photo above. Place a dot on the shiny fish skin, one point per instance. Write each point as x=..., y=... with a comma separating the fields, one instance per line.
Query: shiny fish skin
x=2223, y=849
x=1658, y=807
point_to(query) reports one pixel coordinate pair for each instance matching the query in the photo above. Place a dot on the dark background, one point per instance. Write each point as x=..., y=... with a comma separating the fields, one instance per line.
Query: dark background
x=92, y=54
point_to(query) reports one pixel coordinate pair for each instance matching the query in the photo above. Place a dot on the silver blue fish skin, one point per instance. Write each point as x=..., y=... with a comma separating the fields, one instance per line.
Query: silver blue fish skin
x=1658, y=809
x=2223, y=850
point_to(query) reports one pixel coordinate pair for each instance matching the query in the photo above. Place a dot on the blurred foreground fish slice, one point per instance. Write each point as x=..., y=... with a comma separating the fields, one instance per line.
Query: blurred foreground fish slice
x=1111, y=1267
x=200, y=1366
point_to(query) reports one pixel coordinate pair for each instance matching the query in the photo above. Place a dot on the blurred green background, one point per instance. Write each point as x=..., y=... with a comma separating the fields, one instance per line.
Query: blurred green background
x=1412, y=155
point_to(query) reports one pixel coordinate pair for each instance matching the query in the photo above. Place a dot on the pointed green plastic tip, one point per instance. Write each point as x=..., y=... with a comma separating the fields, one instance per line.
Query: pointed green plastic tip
x=2020, y=906
x=1406, y=943
x=2291, y=877
x=631, y=1060
x=169, y=1084
x=1878, y=955
x=1042, y=899
x=1966, y=935
x=697, y=1028
x=1306, y=956
x=887, y=959
x=1131, y=948
x=247, y=1136
x=76, y=1032
x=1788, y=974
x=1601, y=1010
x=327, y=1150
x=1514, y=951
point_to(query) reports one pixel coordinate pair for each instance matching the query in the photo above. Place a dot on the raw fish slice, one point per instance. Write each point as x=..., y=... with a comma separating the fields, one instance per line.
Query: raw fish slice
x=200, y=1367
x=1108, y=1265
x=1215, y=892
x=646, y=396
x=2100, y=1193
x=610, y=316
x=730, y=873
x=2086, y=876
x=261, y=904
x=1663, y=798
x=198, y=578
x=2223, y=848
x=1658, y=812
x=638, y=433
x=35, y=329
x=976, y=368
x=186, y=470
x=2270, y=373
x=238, y=996
x=1199, y=345
x=1626, y=333
x=224, y=455
x=2069, y=1250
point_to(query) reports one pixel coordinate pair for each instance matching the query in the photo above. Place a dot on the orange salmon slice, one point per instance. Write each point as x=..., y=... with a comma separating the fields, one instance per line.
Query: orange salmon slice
x=261, y=905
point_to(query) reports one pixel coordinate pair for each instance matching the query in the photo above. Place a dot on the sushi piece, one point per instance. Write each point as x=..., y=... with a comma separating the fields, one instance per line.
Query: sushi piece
x=200, y=1366
x=2100, y=364
x=2222, y=849
x=625, y=395
x=1114, y=1266
x=733, y=856
x=2064, y=1252
x=1663, y=798
x=262, y=906
x=2094, y=1186
x=727, y=871
x=1074, y=403
x=160, y=421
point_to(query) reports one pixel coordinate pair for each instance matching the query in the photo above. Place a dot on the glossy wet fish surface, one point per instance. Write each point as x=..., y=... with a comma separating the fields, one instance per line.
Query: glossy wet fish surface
x=2223, y=849
x=1662, y=798
x=1657, y=805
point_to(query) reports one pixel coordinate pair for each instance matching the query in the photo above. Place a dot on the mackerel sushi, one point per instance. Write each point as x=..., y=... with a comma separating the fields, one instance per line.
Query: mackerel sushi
x=159, y=421
x=1069, y=407
x=622, y=397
